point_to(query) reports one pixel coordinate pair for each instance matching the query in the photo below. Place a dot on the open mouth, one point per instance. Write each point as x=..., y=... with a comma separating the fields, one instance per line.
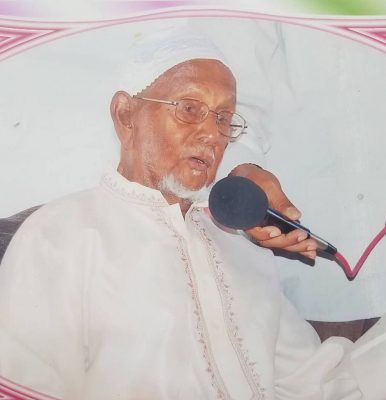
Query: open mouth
x=199, y=163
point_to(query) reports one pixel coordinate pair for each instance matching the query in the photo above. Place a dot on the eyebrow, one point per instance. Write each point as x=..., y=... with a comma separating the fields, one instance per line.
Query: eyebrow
x=225, y=105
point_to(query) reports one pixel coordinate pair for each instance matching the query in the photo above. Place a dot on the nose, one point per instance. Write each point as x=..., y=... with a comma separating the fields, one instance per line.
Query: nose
x=207, y=130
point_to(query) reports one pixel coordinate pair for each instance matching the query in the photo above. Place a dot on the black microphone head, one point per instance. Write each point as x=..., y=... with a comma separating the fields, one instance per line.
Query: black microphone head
x=238, y=203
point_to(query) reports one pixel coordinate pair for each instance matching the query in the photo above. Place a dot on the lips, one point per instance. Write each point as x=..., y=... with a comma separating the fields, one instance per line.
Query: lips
x=202, y=161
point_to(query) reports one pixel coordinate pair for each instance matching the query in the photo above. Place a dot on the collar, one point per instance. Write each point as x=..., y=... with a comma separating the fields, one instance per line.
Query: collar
x=134, y=192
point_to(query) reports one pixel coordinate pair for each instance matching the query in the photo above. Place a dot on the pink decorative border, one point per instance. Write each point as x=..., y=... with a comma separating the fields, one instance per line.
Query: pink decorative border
x=17, y=35
x=12, y=391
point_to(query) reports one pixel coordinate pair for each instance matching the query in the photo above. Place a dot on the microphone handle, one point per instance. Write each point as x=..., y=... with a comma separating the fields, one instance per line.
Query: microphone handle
x=283, y=223
x=286, y=225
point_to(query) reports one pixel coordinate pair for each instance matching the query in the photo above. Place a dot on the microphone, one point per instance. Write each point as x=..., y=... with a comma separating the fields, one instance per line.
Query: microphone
x=238, y=203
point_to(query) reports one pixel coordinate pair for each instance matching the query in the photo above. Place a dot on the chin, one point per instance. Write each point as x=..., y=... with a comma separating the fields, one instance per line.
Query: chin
x=191, y=182
x=197, y=181
x=195, y=186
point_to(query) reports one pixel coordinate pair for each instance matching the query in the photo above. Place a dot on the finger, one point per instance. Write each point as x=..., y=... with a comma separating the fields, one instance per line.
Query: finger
x=285, y=241
x=282, y=242
x=279, y=201
x=309, y=254
x=269, y=232
x=290, y=212
x=265, y=233
x=303, y=246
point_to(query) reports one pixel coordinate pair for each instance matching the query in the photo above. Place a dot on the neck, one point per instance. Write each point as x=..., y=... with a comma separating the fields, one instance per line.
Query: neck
x=173, y=199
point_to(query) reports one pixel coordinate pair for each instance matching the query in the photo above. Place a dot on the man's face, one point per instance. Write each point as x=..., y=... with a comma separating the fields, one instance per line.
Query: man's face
x=162, y=145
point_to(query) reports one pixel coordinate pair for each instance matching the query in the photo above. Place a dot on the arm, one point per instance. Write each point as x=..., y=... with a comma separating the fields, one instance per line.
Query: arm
x=40, y=344
x=368, y=361
x=337, y=369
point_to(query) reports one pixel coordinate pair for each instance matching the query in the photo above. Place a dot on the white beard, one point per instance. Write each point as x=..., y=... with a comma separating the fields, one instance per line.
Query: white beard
x=170, y=185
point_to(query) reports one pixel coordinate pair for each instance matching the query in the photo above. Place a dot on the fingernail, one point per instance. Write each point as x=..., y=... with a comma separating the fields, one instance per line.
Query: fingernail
x=292, y=212
x=302, y=236
x=274, y=233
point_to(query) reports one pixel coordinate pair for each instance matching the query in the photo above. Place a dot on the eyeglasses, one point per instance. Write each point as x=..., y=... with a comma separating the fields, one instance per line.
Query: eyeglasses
x=194, y=111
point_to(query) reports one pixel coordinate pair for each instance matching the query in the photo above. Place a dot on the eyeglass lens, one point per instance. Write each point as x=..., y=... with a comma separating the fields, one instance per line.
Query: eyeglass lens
x=194, y=111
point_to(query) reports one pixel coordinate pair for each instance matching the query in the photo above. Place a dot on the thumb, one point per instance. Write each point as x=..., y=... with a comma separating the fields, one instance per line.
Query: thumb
x=280, y=202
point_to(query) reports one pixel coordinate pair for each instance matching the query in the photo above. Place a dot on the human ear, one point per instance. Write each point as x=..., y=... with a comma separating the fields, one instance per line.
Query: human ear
x=121, y=109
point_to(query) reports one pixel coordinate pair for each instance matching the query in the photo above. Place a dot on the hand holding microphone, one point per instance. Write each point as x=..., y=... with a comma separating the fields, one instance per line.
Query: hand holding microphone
x=237, y=202
x=271, y=236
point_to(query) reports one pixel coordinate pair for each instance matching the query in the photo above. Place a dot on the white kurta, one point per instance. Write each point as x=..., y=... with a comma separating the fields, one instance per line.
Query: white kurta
x=110, y=294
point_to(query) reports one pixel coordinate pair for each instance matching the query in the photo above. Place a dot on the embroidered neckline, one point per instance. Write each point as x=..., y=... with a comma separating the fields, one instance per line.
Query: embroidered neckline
x=132, y=192
x=248, y=366
x=216, y=380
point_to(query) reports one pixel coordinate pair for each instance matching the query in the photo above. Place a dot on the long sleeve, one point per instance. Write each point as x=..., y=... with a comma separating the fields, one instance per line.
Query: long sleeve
x=337, y=369
x=23, y=370
x=40, y=309
x=368, y=360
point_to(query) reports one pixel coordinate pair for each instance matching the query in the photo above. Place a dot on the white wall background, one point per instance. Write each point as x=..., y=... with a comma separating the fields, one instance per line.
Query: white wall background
x=328, y=147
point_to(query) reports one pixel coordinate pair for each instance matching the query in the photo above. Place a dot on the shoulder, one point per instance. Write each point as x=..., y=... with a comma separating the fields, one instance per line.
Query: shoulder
x=56, y=223
x=68, y=211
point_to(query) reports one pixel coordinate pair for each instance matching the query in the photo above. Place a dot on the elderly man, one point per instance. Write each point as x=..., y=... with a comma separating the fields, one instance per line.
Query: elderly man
x=130, y=291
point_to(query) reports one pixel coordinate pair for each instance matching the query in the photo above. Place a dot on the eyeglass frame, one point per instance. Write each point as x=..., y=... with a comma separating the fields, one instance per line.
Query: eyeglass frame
x=175, y=104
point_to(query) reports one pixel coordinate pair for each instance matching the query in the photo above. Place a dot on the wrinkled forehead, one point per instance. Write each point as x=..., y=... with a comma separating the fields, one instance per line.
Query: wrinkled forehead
x=154, y=53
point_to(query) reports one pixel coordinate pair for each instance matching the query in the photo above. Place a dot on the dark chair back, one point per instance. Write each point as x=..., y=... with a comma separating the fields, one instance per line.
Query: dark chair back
x=8, y=227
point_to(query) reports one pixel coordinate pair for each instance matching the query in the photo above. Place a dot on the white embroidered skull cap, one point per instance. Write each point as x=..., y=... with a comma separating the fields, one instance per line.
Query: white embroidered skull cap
x=152, y=54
